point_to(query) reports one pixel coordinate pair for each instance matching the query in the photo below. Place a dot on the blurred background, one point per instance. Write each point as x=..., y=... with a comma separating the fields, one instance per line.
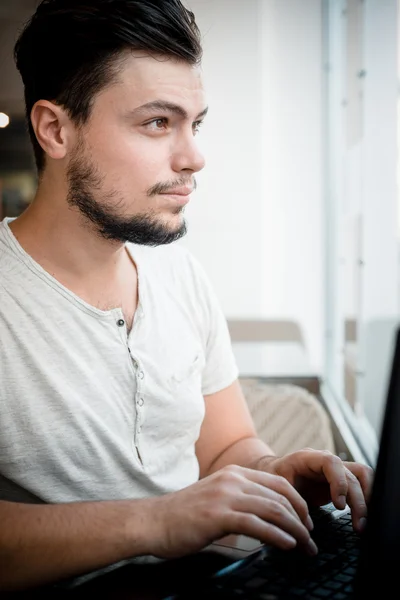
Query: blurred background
x=296, y=216
x=17, y=171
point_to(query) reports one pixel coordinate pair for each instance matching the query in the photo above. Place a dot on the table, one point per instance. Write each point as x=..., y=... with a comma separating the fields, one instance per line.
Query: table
x=279, y=361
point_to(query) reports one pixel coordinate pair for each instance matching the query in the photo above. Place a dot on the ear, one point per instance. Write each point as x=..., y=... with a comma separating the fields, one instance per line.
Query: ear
x=53, y=128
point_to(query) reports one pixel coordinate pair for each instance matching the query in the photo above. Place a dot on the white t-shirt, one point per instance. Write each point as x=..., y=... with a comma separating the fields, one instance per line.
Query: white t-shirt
x=88, y=412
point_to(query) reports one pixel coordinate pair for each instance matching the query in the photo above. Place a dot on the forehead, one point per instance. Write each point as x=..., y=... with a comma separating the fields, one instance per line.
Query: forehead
x=143, y=78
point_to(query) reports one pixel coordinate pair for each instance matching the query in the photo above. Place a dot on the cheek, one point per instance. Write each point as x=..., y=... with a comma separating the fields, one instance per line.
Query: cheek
x=139, y=157
x=131, y=174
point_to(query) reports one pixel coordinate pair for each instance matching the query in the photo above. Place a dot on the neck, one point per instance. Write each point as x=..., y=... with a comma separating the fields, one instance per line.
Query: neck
x=61, y=240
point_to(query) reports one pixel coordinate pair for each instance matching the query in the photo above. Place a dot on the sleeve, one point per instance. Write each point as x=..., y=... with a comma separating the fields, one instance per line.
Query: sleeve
x=220, y=368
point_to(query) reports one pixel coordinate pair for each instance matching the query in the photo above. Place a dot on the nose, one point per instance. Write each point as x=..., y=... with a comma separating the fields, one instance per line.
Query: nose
x=187, y=156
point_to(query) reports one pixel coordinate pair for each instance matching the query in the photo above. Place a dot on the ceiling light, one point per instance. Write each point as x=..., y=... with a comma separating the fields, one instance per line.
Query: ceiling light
x=4, y=120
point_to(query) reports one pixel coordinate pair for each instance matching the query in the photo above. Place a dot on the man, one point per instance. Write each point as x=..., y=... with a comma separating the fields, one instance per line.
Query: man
x=124, y=431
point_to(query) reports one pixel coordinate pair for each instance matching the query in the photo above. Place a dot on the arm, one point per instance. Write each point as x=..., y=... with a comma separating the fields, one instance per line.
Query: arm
x=228, y=435
x=40, y=544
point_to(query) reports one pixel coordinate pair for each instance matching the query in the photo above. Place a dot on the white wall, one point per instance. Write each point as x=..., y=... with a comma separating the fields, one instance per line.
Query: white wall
x=255, y=221
x=293, y=166
x=226, y=229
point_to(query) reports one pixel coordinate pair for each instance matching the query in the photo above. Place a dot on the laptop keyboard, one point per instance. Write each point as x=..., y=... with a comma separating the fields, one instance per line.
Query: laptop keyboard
x=288, y=575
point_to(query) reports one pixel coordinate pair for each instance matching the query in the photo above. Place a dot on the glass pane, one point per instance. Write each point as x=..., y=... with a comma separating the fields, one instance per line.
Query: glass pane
x=362, y=206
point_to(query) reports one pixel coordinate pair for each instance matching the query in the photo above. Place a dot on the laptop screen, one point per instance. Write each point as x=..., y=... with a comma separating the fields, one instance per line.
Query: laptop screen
x=380, y=547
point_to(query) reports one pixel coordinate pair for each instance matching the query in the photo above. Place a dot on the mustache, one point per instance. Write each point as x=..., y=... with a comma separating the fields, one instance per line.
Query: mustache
x=162, y=188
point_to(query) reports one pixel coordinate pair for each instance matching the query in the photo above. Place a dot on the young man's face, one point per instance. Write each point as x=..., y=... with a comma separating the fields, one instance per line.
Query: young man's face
x=129, y=155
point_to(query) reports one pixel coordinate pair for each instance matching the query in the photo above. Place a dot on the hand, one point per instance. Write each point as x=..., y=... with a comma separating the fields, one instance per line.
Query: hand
x=320, y=477
x=233, y=500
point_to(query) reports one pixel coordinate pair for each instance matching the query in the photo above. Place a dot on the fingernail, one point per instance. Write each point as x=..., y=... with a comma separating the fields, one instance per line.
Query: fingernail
x=362, y=523
x=309, y=523
x=290, y=541
x=311, y=548
x=342, y=501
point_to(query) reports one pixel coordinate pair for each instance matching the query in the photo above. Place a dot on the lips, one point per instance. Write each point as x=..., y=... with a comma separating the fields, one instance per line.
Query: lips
x=179, y=192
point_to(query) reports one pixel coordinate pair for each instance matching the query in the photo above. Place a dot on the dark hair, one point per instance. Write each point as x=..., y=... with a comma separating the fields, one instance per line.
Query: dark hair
x=70, y=49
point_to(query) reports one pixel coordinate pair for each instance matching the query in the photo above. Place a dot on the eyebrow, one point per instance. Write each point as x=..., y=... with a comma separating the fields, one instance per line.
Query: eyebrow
x=163, y=106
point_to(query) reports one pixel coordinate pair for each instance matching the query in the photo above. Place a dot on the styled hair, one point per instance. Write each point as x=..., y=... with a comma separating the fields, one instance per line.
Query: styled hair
x=72, y=49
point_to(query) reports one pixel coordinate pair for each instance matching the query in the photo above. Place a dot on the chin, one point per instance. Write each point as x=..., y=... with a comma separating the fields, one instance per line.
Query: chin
x=173, y=221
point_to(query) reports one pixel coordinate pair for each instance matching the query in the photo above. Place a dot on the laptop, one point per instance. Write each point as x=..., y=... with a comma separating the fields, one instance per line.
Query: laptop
x=348, y=565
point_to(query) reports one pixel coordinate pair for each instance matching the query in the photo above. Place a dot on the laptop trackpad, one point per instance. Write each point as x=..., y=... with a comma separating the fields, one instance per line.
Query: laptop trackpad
x=236, y=546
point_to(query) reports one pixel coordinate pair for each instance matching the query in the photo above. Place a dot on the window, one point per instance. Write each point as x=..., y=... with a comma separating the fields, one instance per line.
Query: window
x=362, y=210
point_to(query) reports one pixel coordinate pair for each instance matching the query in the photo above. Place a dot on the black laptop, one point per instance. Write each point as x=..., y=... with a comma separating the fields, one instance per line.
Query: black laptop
x=348, y=565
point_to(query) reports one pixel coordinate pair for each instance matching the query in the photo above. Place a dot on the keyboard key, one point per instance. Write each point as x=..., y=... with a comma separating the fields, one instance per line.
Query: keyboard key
x=334, y=585
x=323, y=593
x=255, y=583
x=344, y=578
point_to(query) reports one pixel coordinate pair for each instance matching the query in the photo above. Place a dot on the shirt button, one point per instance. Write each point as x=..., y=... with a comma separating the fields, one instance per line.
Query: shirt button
x=140, y=402
x=140, y=374
x=120, y=323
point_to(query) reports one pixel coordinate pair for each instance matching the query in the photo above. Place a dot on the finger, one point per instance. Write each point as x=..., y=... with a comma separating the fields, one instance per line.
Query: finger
x=284, y=488
x=356, y=501
x=364, y=474
x=345, y=488
x=274, y=510
x=334, y=471
x=268, y=533
x=269, y=493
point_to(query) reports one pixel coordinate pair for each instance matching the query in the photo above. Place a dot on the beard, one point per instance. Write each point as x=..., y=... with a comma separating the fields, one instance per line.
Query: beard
x=100, y=208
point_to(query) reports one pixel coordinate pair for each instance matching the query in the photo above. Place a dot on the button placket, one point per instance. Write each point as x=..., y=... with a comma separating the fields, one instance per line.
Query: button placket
x=138, y=406
x=139, y=400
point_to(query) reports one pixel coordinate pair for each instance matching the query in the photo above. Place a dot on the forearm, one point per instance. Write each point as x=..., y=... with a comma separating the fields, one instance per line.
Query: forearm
x=40, y=544
x=249, y=452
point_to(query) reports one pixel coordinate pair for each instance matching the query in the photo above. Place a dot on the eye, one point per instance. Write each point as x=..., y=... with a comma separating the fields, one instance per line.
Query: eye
x=159, y=124
x=156, y=122
x=197, y=125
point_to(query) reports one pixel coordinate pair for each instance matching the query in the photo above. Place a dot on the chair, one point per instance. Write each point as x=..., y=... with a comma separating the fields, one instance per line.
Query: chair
x=287, y=416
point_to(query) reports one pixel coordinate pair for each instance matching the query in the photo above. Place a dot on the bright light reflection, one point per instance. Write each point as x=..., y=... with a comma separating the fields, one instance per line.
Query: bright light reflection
x=4, y=120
